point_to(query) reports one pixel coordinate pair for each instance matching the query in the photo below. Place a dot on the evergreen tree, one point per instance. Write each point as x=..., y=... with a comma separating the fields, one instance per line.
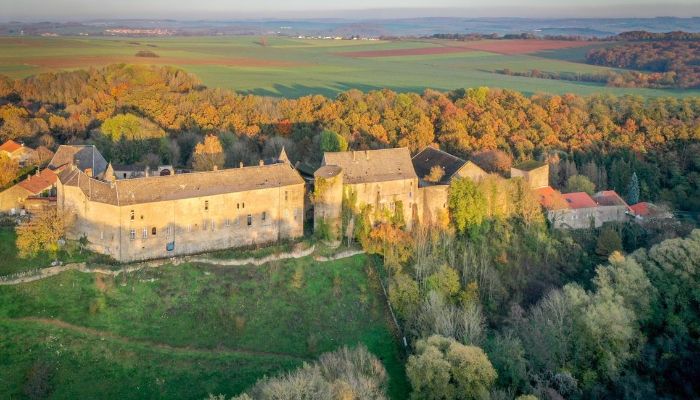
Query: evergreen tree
x=633, y=190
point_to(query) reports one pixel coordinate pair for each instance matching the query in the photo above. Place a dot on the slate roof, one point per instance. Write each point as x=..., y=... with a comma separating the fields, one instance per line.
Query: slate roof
x=40, y=182
x=430, y=157
x=10, y=146
x=84, y=156
x=579, y=200
x=373, y=165
x=182, y=186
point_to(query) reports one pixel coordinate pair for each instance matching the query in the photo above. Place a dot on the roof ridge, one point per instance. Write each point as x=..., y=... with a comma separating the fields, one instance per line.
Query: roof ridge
x=203, y=172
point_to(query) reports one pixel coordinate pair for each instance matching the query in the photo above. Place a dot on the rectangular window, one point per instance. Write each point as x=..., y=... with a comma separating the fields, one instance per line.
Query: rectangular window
x=102, y=235
x=286, y=195
x=169, y=232
x=264, y=216
x=132, y=234
x=227, y=223
x=250, y=220
x=243, y=205
x=213, y=225
x=238, y=206
x=205, y=225
x=144, y=233
x=206, y=205
x=132, y=215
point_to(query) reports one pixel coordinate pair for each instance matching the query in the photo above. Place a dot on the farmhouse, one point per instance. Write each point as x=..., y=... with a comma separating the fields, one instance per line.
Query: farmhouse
x=580, y=211
x=164, y=216
x=42, y=184
x=19, y=152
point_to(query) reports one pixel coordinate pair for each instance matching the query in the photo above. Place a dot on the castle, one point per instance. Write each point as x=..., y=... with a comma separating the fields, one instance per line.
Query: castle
x=138, y=215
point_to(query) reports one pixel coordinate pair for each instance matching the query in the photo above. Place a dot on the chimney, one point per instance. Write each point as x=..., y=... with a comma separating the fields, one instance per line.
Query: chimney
x=240, y=164
x=261, y=163
x=367, y=154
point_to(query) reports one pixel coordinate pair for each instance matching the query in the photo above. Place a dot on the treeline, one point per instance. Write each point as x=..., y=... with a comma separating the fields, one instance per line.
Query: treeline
x=644, y=35
x=158, y=114
x=666, y=63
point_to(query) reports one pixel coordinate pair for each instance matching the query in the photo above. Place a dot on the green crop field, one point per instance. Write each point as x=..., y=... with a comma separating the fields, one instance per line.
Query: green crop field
x=296, y=67
x=189, y=330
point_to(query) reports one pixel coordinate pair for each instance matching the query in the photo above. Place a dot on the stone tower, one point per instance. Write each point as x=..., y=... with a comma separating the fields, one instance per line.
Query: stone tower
x=328, y=199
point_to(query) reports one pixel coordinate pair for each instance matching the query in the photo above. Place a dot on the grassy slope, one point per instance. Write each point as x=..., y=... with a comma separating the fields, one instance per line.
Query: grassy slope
x=317, y=68
x=293, y=310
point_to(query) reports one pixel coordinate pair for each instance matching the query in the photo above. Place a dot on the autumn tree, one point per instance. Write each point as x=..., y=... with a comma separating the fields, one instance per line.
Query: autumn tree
x=208, y=155
x=435, y=175
x=493, y=161
x=608, y=242
x=41, y=233
x=444, y=369
x=8, y=170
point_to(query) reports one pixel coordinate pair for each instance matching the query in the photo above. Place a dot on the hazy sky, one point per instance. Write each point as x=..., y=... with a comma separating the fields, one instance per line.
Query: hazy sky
x=221, y=9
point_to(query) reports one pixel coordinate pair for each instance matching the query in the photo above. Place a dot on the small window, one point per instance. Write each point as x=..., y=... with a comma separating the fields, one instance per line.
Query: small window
x=264, y=216
x=132, y=234
x=250, y=220
x=102, y=235
x=132, y=215
x=169, y=231
x=205, y=225
x=243, y=205
x=153, y=231
x=206, y=205
x=286, y=195
x=238, y=206
x=144, y=233
x=213, y=225
x=227, y=223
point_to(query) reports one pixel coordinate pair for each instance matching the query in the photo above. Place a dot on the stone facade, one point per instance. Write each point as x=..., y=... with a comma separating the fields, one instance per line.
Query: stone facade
x=536, y=174
x=158, y=217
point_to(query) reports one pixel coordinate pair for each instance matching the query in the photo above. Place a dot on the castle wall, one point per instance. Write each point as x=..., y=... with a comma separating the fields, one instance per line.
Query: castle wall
x=433, y=204
x=537, y=177
x=186, y=226
x=382, y=196
x=13, y=199
x=328, y=203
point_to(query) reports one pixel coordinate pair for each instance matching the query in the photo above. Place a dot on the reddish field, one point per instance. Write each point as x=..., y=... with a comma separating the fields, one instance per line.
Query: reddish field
x=518, y=46
x=423, y=51
x=492, y=46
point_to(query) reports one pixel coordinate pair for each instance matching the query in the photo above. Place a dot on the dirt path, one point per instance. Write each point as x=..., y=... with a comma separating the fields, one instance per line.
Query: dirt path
x=82, y=267
x=57, y=323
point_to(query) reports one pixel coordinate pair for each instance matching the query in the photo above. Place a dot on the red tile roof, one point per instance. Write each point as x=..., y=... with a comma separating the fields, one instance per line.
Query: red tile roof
x=609, y=198
x=38, y=183
x=550, y=198
x=579, y=200
x=10, y=146
x=640, y=209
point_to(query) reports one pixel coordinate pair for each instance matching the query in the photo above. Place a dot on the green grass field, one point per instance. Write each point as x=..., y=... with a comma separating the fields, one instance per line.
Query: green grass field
x=296, y=67
x=189, y=330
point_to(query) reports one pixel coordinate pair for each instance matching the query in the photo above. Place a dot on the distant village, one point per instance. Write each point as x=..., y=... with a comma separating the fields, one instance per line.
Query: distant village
x=135, y=213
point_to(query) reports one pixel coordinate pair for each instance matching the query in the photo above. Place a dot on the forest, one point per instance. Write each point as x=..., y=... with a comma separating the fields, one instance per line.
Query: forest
x=663, y=63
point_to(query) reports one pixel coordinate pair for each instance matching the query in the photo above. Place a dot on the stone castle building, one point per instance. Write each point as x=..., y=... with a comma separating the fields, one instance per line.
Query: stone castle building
x=165, y=216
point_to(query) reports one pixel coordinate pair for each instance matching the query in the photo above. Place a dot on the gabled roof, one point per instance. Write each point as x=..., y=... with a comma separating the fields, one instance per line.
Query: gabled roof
x=83, y=156
x=38, y=183
x=579, y=200
x=641, y=209
x=10, y=146
x=181, y=186
x=431, y=157
x=609, y=198
x=373, y=165
x=551, y=199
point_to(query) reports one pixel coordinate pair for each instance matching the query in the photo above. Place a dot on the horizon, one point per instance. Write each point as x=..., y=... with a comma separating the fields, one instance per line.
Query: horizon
x=62, y=12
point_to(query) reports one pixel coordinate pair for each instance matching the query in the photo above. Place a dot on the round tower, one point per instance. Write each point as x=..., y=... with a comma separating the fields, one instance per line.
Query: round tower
x=328, y=200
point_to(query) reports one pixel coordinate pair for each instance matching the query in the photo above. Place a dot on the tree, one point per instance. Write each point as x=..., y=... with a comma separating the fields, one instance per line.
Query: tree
x=442, y=368
x=208, y=155
x=8, y=170
x=444, y=281
x=435, y=175
x=404, y=295
x=633, y=190
x=339, y=375
x=579, y=183
x=493, y=161
x=467, y=204
x=608, y=242
x=41, y=233
x=331, y=142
